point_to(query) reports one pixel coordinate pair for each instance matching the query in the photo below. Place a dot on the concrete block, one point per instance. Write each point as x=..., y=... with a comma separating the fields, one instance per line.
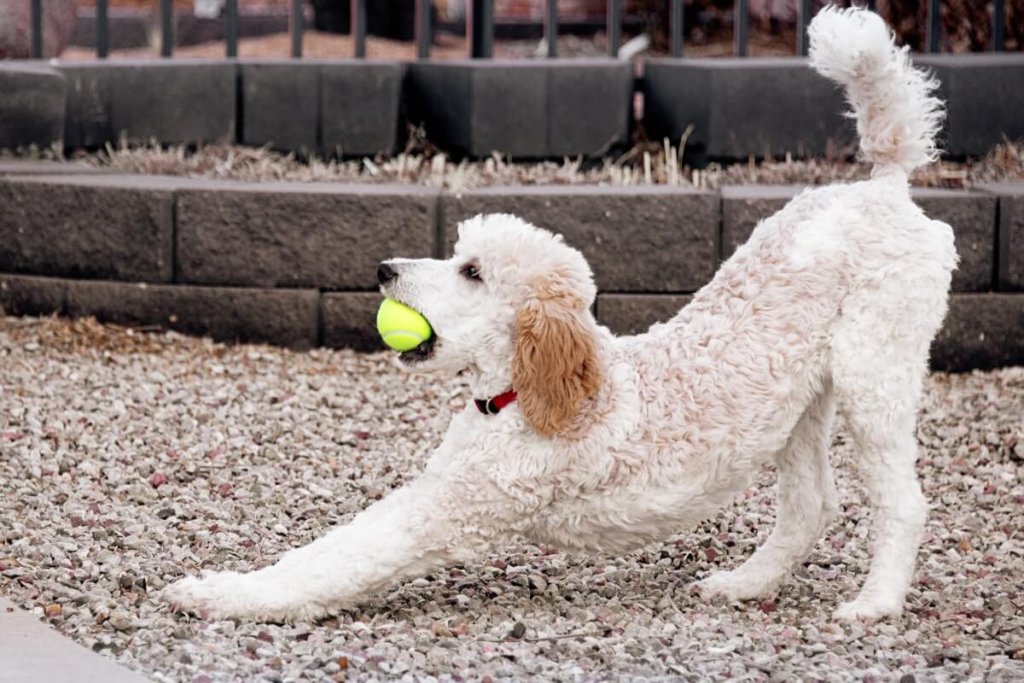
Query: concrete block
x=626, y=314
x=589, y=107
x=281, y=317
x=637, y=239
x=349, y=320
x=323, y=235
x=31, y=105
x=523, y=109
x=744, y=206
x=35, y=651
x=360, y=107
x=173, y=101
x=745, y=107
x=984, y=96
x=477, y=108
x=981, y=331
x=1010, y=259
x=42, y=167
x=92, y=226
x=28, y=295
x=280, y=102
x=973, y=218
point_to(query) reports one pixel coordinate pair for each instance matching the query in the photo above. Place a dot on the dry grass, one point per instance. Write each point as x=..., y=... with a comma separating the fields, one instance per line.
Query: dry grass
x=645, y=164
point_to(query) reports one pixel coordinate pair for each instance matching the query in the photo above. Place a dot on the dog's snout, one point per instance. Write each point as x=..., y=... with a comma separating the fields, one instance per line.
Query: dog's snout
x=386, y=273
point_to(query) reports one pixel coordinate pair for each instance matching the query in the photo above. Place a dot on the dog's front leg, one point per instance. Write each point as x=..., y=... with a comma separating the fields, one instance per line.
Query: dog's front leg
x=429, y=524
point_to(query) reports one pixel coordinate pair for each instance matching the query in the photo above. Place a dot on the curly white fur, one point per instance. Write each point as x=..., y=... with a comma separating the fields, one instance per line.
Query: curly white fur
x=619, y=441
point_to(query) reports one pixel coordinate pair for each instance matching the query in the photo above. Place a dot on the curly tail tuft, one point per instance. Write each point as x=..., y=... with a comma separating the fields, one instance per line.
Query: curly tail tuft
x=897, y=113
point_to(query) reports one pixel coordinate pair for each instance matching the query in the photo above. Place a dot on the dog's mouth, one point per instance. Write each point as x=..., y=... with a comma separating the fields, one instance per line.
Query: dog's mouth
x=423, y=352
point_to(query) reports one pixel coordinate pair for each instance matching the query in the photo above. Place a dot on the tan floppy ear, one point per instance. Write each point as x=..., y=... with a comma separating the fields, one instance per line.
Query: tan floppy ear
x=555, y=365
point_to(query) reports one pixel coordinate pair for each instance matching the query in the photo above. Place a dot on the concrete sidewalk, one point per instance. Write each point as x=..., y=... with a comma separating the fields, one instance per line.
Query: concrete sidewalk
x=32, y=652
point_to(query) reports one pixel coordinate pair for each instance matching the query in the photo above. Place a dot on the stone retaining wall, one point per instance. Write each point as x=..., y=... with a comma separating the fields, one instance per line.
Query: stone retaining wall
x=294, y=264
x=724, y=108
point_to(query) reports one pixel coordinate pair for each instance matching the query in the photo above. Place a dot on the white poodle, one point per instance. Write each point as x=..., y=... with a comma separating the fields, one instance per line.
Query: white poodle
x=584, y=440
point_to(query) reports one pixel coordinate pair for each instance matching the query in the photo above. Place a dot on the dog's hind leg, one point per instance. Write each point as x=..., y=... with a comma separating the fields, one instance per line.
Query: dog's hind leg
x=806, y=496
x=879, y=352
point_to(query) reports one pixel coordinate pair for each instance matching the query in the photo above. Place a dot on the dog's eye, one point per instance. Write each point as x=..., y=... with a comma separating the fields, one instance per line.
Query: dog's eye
x=471, y=271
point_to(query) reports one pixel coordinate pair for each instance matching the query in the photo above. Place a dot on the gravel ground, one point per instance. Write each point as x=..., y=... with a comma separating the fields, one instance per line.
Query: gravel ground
x=129, y=458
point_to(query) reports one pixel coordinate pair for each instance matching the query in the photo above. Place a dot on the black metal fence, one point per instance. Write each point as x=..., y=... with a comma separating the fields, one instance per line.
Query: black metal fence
x=480, y=27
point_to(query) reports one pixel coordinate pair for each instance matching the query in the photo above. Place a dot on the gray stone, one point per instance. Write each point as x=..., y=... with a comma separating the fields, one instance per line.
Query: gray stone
x=360, y=107
x=323, y=235
x=626, y=314
x=744, y=206
x=93, y=226
x=280, y=102
x=973, y=218
x=281, y=317
x=349, y=320
x=985, y=97
x=981, y=331
x=29, y=295
x=745, y=107
x=172, y=101
x=637, y=239
x=31, y=105
x=1010, y=260
x=523, y=109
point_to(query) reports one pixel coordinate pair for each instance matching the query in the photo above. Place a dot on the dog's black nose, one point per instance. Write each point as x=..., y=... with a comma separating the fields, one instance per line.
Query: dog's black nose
x=386, y=273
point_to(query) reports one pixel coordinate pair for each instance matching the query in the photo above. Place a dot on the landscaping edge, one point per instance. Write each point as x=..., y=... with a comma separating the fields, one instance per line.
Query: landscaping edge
x=293, y=264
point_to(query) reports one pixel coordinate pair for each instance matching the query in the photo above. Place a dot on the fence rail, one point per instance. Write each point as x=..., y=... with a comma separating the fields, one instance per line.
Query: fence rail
x=480, y=27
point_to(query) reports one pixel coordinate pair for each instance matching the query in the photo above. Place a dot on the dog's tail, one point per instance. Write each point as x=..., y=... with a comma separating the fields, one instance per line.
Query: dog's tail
x=897, y=113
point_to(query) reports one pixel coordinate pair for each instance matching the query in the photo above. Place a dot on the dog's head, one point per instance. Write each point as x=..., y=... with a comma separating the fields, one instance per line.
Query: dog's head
x=512, y=306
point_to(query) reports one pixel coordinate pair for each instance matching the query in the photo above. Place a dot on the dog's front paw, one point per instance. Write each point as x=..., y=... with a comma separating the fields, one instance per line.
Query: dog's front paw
x=253, y=596
x=221, y=595
x=224, y=595
x=868, y=609
x=732, y=587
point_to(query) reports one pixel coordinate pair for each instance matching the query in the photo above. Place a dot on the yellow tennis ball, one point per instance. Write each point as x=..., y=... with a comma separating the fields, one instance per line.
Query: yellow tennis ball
x=401, y=327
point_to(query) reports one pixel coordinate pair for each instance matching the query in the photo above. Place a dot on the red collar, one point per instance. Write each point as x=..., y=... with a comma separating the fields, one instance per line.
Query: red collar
x=492, y=406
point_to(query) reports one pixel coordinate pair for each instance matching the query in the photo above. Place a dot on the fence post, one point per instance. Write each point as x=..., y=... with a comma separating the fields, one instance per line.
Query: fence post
x=231, y=27
x=933, y=31
x=37, y=29
x=551, y=27
x=740, y=26
x=613, y=27
x=358, y=21
x=675, y=20
x=803, y=17
x=481, y=29
x=295, y=27
x=999, y=26
x=423, y=31
x=102, y=30
x=166, y=28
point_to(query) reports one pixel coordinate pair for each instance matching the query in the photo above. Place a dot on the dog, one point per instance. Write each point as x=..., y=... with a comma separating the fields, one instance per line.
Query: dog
x=583, y=440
